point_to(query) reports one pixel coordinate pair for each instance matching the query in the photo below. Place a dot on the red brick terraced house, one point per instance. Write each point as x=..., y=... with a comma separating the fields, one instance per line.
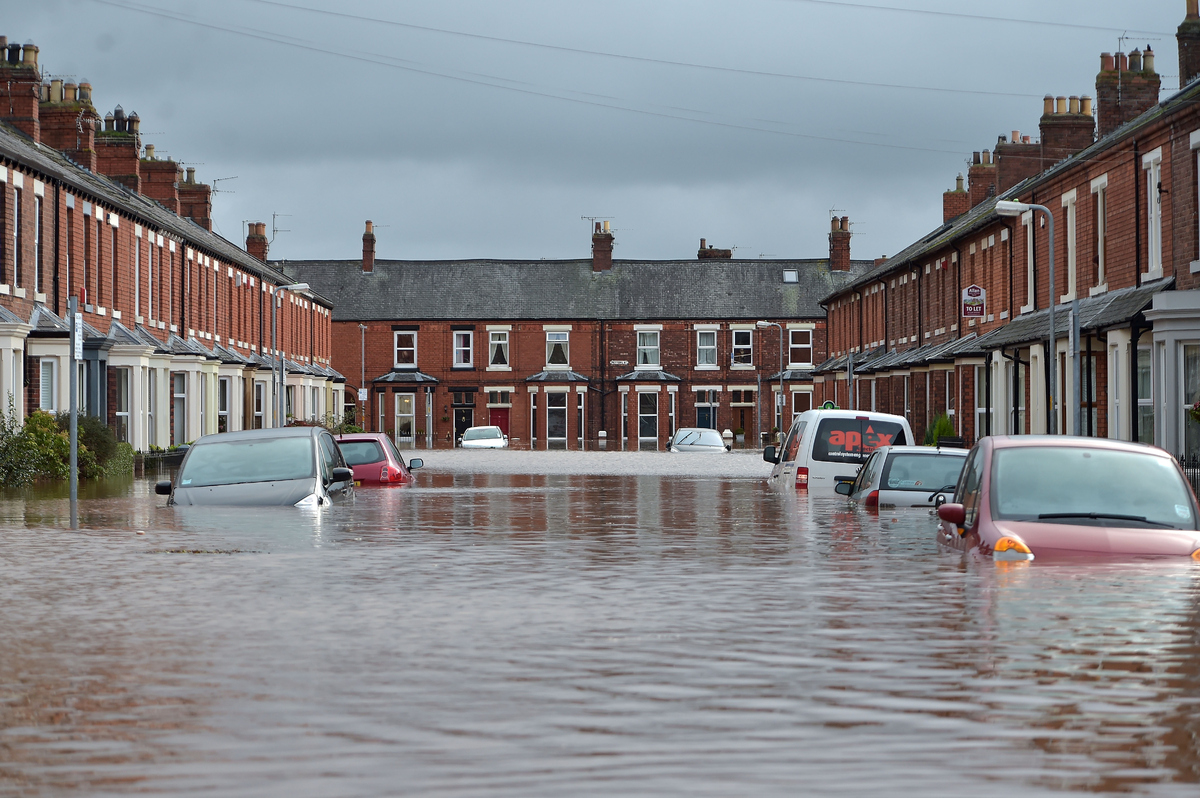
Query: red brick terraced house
x=177, y=320
x=579, y=353
x=957, y=323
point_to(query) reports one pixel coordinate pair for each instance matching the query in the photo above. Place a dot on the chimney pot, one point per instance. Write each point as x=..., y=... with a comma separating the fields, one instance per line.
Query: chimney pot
x=44, y=92
x=1016, y=137
x=1085, y=105
x=846, y=223
x=1026, y=140
x=834, y=225
x=56, y=90
x=1107, y=64
x=1135, y=60
x=368, y=259
x=149, y=152
x=14, y=53
x=702, y=243
x=70, y=92
x=975, y=158
x=1047, y=105
x=191, y=175
x=958, y=182
x=987, y=157
x=606, y=226
x=133, y=122
x=29, y=54
x=1073, y=104
x=1122, y=62
x=1060, y=105
x=85, y=91
x=1193, y=9
x=1148, y=60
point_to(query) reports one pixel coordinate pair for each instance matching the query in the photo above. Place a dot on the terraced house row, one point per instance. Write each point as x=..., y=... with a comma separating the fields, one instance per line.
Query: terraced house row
x=177, y=320
x=958, y=322
x=580, y=353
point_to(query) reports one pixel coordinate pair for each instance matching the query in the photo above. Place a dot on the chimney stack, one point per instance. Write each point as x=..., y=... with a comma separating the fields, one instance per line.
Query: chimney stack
x=160, y=180
x=712, y=253
x=256, y=240
x=67, y=122
x=602, y=247
x=955, y=203
x=368, y=261
x=118, y=150
x=1066, y=129
x=839, y=244
x=1018, y=160
x=981, y=178
x=1128, y=87
x=21, y=89
x=1188, y=40
x=195, y=200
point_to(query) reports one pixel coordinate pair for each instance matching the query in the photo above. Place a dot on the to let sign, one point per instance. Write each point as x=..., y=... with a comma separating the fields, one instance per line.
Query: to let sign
x=974, y=302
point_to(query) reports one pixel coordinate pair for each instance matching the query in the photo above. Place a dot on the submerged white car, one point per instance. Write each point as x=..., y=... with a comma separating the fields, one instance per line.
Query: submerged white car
x=698, y=439
x=905, y=476
x=483, y=438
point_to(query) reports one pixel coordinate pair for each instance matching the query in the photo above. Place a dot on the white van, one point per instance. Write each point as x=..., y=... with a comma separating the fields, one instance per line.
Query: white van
x=825, y=444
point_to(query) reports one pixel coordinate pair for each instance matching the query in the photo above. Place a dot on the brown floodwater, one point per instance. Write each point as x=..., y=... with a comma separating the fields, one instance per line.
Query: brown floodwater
x=562, y=623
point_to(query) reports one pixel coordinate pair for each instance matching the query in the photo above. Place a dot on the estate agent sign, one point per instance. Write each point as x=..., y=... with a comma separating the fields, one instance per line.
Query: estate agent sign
x=974, y=302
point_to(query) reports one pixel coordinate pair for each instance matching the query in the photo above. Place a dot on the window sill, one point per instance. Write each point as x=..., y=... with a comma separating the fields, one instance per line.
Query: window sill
x=1193, y=267
x=1153, y=274
x=38, y=296
x=19, y=292
x=1065, y=298
x=799, y=366
x=648, y=368
x=5, y=289
x=1025, y=309
x=499, y=368
x=741, y=367
x=1097, y=290
x=548, y=367
x=707, y=368
x=101, y=311
x=464, y=368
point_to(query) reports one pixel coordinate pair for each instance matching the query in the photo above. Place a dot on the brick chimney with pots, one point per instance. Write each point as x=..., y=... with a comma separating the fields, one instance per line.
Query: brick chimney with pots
x=256, y=240
x=1016, y=160
x=839, y=244
x=1126, y=88
x=1188, y=40
x=1067, y=127
x=981, y=178
x=368, y=261
x=118, y=149
x=195, y=200
x=160, y=180
x=955, y=203
x=68, y=121
x=712, y=253
x=20, y=87
x=602, y=247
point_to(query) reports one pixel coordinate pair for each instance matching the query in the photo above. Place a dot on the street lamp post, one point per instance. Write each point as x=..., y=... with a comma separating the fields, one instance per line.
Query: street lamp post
x=1008, y=208
x=779, y=400
x=280, y=385
x=362, y=379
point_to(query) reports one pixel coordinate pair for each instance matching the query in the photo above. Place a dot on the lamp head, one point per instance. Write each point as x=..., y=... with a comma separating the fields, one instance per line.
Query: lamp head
x=1010, y=208
x=763, y=324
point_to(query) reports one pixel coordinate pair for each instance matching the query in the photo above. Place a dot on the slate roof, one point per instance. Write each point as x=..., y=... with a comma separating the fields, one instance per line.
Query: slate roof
x=8, y=317
x=406, y=378
x=557, y=375
x=791, y=375
x=648, y=376
x=121, y=335
x=468, y=290
x=46, y=322
x=51, y=163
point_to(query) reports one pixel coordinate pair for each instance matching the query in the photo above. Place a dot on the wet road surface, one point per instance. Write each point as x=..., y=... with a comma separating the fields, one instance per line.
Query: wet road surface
x=613, y=624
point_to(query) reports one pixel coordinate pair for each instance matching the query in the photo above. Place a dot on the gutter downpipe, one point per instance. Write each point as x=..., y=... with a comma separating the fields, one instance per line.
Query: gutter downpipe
x=1137, y=217
x=1135, y=334
x=57, y=236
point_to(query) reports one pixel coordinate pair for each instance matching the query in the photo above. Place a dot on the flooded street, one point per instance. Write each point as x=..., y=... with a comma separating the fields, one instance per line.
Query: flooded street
x=567, y=623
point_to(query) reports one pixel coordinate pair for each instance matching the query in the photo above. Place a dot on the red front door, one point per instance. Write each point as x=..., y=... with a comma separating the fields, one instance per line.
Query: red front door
x=499, y=418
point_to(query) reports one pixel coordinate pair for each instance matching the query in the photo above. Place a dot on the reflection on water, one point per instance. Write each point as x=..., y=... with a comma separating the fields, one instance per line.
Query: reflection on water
x=533, y=634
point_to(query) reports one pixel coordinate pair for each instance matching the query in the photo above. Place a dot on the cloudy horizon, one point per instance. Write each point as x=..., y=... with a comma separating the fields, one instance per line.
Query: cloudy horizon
x=467, y=129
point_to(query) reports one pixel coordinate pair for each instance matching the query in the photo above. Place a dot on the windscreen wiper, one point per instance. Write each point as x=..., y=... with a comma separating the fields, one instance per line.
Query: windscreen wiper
x=942, y=489
x=1097, y=516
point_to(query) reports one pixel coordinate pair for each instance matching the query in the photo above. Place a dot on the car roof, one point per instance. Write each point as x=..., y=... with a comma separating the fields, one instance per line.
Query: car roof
x=265, y=434
x=484, y=426
x=361, y=436
x=1074, y=441
x=957, y=452
x=871, y=414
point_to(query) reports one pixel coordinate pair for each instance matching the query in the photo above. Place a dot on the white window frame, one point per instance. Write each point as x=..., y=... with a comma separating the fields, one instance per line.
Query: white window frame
x=260, y=403
x=48, y=366
x=396, y=349
x=224, y=400
x=1099, y=188
x=1030, y=251
x=1071, y=228
x=793, y=346
x=710, y=349
x=747, y=349
x=1152, y=165
x=498, y=340
x=124, y=376
x=464, y=348
x=555, y=339
x=651, y=350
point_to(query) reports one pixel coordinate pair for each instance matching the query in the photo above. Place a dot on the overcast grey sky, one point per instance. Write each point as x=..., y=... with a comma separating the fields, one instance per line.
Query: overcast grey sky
x=468, y=128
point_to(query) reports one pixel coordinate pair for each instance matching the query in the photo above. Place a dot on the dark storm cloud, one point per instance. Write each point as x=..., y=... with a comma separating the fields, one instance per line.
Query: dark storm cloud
x=744, y=122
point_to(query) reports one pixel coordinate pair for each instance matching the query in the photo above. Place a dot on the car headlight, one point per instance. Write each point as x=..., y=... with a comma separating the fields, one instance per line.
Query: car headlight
x=311, y=500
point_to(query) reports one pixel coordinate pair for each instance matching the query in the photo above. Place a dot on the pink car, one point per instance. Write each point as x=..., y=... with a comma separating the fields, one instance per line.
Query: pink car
x=375, y=459
x=1026, y=495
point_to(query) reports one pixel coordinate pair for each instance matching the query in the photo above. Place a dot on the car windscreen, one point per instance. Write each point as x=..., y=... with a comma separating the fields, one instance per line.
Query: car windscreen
x=361, y=452
x=851, y=440
x=921, y=472
x=229, y=462
x=481, y=433
x=1078, y=485
x=699, y=437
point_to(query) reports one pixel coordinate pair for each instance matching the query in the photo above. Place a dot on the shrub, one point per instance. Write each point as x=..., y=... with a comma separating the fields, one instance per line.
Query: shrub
x=16, y=455
x=942, y=427
x=49, y=446
x=94, y=434
x=120, y=464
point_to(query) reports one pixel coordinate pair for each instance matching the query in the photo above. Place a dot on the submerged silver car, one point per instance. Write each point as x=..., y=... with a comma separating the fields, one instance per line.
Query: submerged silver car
x=697, y=439
x=905, y=476
x=291, y=466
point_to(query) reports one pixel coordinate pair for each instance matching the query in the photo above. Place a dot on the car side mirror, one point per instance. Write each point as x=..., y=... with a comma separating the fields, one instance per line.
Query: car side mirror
x=729, y=447
x=163, y=487
x=843, y=488
x=343, y=475
x=769, y=454
x=416, y=462
x=953, y=513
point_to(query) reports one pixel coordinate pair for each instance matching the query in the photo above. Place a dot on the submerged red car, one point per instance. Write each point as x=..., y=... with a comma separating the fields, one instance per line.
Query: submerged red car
x=375, y=459
x=1023, y=496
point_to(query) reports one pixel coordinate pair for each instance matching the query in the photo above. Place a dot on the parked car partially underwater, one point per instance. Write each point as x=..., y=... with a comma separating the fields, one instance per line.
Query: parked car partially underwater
x=375, y=459
x=1023, y=496
x=300, y=466
x=905, y=476
x=483, y=438
x=698, y=439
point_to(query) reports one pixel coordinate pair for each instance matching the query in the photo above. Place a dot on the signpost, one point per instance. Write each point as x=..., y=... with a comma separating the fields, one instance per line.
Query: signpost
x=76, y=325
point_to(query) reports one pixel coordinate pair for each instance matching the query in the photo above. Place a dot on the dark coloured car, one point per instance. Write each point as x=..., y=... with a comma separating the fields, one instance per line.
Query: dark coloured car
x=291, y=466
x=375, y=459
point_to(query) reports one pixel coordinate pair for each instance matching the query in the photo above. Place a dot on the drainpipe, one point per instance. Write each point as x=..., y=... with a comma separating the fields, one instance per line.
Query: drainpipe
x=987, y=381
x=1135, y=334
x=57, y=236
x=1137, y=216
